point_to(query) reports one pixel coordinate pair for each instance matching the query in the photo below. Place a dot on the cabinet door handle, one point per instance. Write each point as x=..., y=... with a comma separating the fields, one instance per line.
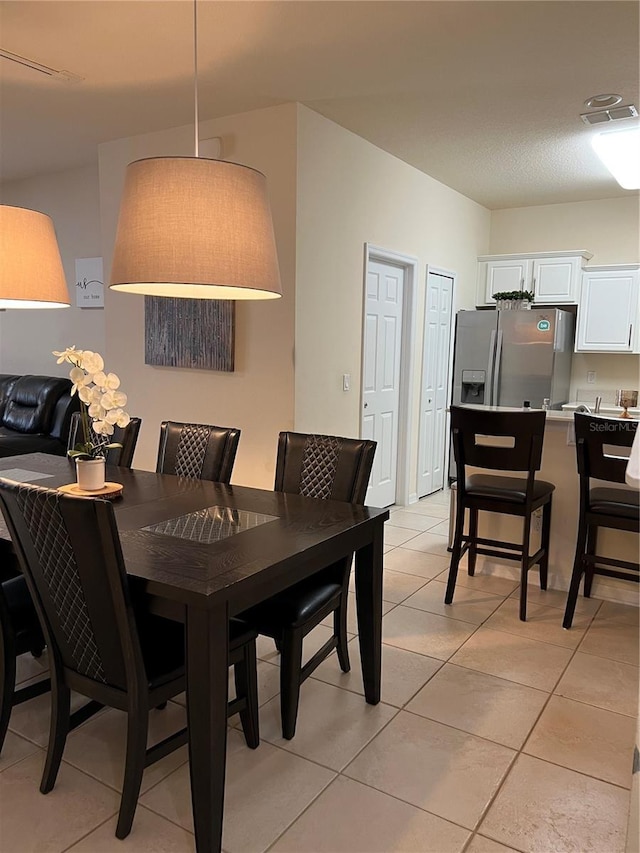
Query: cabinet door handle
x=533, y=283
x=630, y=331
x=521, y=283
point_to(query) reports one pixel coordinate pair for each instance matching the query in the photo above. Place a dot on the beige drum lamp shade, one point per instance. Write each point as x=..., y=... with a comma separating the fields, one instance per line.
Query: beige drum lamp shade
x=195, y=228
x=31, y=274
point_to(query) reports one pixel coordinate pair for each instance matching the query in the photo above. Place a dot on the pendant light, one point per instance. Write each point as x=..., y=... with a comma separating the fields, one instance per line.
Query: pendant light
x=194, y=227
x=31, y=273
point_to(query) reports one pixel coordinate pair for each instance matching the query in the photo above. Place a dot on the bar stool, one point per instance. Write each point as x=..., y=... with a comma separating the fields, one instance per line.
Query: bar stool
x=519, y=496
x=601, y=506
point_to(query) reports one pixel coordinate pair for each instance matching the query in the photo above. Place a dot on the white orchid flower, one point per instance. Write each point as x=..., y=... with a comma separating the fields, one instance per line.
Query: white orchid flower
x=112, y=381
x=107, y=401
x=102, y=428
x=70, y=354
x=96, y=411
x=100, y=379
x=112, y=416
x=120, y=398
x=95, y=394
x=123, y=420
x=92, y=361
x=85, y=394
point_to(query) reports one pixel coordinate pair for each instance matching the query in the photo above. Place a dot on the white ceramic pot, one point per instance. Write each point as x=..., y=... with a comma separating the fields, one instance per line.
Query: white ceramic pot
x=90, y=474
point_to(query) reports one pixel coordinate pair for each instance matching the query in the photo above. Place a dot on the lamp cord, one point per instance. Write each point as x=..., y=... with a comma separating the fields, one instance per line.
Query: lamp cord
x=195, y=74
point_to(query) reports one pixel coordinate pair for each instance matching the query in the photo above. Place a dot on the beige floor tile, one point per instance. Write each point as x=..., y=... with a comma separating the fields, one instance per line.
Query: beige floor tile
x=441, y=529
x=587, y=739
x=31, y=719
x=33, y=823
x=480, y=704
x=352, y=615
x=431, y=543
x=397, y=535
x=435, y=510
x=150, y=834
x=29, y=667
x=403, y=673
x=484, y=582
x=399, y=585
x=598, y=681
x=382, y=824
x=515, y=658
x=445, y=771
x=424, y=633
x=98, y=747
x=543, y=623
x=333, y=724
x=415, y=563
x=543, y=808
x=266, y=650
x=558, y=598
x=413, y=520
x=469, y=605
x=611, y=610
x=610, y=639
x=441, y=497
x=480, y=844
x=386, y=548
x=14, y=749
x=265, y=790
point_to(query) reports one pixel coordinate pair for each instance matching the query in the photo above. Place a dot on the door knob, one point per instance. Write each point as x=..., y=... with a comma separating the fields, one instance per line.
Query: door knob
x=365, y=405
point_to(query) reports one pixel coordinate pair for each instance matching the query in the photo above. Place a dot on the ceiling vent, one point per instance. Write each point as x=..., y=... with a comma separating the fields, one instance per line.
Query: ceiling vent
x=62, y=76
x=613, y=114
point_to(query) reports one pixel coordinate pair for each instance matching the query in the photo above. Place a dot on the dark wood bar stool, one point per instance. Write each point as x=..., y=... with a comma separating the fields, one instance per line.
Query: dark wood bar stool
x=520, y=496
x=601, y=506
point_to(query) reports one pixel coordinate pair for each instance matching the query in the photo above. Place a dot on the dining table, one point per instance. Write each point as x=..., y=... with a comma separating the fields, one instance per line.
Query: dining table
x=204, y=552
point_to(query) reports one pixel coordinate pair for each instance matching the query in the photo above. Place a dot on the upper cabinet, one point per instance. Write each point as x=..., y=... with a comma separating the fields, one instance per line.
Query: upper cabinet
x=554, y=277
x=608, y=309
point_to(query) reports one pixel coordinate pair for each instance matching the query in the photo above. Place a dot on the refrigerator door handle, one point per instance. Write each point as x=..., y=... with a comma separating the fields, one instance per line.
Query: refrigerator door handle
x=490, y=368
x=496, y=371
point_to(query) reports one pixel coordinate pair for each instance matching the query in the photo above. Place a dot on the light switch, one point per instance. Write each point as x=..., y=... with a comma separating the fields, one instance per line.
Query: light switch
x=346, y=382
x=591, y=377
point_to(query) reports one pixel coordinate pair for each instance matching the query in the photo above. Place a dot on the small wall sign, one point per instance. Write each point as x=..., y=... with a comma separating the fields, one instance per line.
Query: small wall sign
x=89, y=283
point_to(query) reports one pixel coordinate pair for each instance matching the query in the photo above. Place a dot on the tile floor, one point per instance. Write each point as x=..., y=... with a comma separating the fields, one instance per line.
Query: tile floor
x=492, y=735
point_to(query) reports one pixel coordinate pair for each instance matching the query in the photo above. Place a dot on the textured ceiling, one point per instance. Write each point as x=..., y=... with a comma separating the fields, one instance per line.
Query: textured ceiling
x=483, y=96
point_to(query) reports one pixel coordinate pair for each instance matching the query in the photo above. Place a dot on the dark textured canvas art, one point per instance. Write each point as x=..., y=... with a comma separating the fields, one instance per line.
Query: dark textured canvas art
x=197, y=333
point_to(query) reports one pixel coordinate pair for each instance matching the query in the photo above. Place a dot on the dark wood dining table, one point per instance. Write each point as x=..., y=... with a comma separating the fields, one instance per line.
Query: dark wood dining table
x=269, y=540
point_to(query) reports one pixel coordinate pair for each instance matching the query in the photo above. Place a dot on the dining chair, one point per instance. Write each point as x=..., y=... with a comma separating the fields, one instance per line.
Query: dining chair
x=20, y=633
x=103, y=643
x=198, y=451
x=501, y=441
x=126, y=436
x=326, y=467
x=599, y=444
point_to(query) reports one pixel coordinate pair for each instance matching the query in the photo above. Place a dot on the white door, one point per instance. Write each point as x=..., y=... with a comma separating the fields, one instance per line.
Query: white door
x=381, y=376
x=434, y=384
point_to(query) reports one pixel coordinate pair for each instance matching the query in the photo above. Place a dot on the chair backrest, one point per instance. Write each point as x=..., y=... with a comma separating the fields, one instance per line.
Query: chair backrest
x=197, y=451
x=526, y=429
x=593, y=435
x=324, y=466
x=69, y=552
x=126, y=436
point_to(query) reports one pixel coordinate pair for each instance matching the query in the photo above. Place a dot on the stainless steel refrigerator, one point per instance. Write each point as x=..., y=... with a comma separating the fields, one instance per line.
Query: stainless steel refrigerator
x=502, y=358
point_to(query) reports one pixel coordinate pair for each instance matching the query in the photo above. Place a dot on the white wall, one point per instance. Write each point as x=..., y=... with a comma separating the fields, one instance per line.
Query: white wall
x=610, y=230
x=71, y=199
x=258, y=396
x=351, y=193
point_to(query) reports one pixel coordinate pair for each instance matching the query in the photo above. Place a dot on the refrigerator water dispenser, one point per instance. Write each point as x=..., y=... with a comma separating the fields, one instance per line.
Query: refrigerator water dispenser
x=473, y=383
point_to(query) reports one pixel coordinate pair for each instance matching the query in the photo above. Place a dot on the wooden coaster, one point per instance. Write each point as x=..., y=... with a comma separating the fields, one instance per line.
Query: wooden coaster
x=109, y=490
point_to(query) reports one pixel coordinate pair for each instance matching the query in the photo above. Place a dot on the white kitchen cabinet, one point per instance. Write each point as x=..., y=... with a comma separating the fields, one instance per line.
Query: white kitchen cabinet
x=608, y=309
x=554, y=277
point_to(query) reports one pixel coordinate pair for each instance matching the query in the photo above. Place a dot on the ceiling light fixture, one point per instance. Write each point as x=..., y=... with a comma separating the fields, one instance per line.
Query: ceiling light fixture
x=618, y=150
x=601, y=101
x=196, y=228
x=31, y=274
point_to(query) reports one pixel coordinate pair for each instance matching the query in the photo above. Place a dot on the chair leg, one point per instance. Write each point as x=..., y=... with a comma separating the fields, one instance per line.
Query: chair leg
x=589, y=569
x=58, y=731
x=545, y=539
x=245, y=675
x=340, y=631
x=135, y=760
x=7, y=682
x=576, y=576
x=524, y=567
x=290, y=667
x=473, y=545
x=455, y=552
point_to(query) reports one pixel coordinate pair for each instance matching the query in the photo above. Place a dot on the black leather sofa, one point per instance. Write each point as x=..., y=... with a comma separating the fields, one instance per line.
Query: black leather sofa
x=35, y=414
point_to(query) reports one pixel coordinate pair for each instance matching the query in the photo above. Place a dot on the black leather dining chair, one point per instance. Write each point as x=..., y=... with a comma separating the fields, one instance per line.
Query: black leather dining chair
x=102, y=641
x=198, y=451
x=597, y=440
x=521, y=437
x=20, y=634
x=126, y=436
x=329, y=468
